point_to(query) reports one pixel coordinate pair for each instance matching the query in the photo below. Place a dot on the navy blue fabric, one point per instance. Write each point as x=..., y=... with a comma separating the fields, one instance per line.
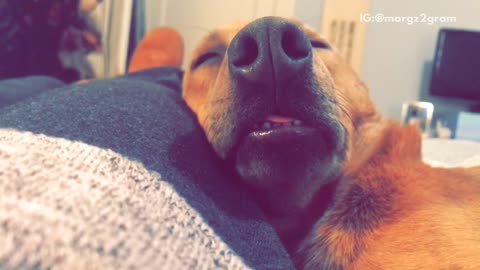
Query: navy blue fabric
x=16, y=90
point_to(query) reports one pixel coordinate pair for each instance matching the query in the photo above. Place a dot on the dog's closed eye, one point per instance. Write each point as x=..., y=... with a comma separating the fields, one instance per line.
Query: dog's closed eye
x=319, y=44
x=206, y=58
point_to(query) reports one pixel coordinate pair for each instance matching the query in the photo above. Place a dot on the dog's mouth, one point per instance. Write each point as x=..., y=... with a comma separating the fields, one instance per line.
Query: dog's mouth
x=279, y=126
x=285, y=160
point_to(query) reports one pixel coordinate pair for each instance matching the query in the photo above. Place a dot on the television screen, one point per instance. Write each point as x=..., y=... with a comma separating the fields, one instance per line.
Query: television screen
x=456, y=66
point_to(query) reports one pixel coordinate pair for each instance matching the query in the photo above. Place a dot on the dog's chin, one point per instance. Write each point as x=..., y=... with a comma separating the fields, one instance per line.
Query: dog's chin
x=286, y=168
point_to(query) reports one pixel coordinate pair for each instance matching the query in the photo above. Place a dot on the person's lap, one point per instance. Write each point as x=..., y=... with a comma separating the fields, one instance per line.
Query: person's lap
x=142, y=117
x=17, y=90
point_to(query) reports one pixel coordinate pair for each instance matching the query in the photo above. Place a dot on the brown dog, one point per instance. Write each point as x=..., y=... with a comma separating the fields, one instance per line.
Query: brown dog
x=344, y=187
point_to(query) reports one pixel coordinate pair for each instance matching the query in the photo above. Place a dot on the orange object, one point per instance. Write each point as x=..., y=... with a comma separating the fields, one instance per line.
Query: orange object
x=162, y=46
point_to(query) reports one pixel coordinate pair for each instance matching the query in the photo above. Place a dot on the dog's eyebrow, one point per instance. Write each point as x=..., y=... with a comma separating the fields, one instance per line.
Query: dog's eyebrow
x=212, y=41
x=213, y=36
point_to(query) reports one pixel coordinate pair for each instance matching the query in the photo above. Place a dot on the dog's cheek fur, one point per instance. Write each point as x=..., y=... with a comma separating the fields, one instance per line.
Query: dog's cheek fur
x=227, y=116
x=218, y=117
x=358, y=116
x=348, y=85
x=195, y=87
x=212, y=104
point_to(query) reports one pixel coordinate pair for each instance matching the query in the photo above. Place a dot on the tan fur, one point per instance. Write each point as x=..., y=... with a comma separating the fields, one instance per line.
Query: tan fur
x=421, y=217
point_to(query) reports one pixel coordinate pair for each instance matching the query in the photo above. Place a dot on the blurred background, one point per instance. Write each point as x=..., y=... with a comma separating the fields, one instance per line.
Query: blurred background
x=400, y=61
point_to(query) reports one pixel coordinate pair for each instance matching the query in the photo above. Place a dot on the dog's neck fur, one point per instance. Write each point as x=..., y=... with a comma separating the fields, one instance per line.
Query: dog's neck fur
x=385, y=140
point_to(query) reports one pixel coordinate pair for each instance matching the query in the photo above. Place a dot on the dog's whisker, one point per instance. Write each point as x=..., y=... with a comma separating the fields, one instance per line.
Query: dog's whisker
x=341, y=103
x=345, y=111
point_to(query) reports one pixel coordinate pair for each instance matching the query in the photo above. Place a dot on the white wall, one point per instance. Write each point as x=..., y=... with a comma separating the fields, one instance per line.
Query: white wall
x=396, y=54
x=309, y=11
x=195, y=18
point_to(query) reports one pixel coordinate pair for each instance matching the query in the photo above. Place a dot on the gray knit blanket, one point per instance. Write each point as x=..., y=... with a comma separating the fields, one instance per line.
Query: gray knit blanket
x=69, y=205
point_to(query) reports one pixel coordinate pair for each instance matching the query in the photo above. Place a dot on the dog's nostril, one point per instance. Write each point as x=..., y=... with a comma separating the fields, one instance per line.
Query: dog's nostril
x=294, y=44
x=246, y=53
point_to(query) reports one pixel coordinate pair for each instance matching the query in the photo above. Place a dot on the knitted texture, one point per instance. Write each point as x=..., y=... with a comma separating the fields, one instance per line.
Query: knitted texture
x=68, y=205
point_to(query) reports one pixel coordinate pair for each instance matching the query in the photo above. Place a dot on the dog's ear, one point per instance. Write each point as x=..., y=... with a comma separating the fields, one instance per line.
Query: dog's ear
x=162, y=46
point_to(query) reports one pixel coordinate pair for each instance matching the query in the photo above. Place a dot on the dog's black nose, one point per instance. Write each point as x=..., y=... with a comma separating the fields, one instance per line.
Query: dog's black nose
x=269, y=52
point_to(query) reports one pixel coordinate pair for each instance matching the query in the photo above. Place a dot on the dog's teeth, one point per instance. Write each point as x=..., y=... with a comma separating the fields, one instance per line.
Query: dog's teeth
x=269, y=125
